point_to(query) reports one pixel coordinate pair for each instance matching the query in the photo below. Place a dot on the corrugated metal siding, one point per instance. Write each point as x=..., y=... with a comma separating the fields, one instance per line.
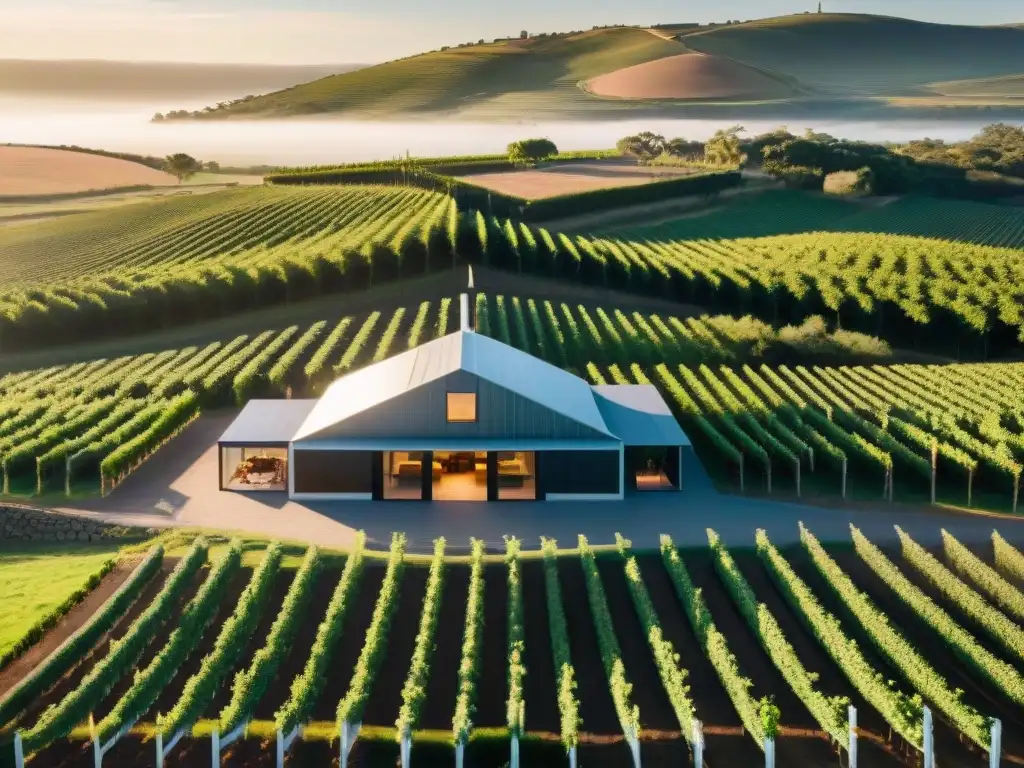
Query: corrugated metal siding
x=422, y=413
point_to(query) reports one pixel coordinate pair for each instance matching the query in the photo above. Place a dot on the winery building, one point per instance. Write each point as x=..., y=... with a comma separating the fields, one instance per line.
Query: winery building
x=460, y=418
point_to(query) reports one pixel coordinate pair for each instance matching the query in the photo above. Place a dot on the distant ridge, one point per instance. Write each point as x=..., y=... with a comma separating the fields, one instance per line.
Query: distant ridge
x=832, y=59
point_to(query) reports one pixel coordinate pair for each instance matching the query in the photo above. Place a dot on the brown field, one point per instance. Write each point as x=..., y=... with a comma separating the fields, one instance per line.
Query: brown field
x=692, y=76
x=34, y=171
x=571, y=178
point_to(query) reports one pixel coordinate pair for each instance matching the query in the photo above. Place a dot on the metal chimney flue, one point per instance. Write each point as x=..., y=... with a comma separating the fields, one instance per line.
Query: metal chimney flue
x=465, y=321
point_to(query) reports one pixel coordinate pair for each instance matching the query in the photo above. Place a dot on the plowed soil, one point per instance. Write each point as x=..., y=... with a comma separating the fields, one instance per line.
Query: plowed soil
x=492, y=683
x=35, y=171
x=691, y=76
x=801, y=741
x=443, y=682
x=540, y=687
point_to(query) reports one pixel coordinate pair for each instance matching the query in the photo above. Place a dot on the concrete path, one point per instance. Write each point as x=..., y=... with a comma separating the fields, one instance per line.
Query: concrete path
x=178, y=487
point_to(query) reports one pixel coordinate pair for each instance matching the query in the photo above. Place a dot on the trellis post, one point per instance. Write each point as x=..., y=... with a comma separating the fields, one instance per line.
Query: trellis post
x=769, y=753
x=995, y=748
x=572, y=756
x=19, y=752
x=406, y=748
x=851, y=746
x=698, y=744
x=215, y=748
x=929, y=746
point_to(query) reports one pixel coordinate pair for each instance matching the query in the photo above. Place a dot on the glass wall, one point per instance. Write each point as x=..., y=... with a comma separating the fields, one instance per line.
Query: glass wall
x=463, y=476
x=403, y=474
x=517, y=475
x=254, y=468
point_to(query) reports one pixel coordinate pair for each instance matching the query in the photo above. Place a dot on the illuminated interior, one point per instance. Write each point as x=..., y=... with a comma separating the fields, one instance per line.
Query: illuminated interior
x=461, y=406
x=254, y=468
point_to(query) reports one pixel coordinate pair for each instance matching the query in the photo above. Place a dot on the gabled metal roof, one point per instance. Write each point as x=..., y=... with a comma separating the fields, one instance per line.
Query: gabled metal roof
x=268, y=421
x=637, y=415
x=505, y=366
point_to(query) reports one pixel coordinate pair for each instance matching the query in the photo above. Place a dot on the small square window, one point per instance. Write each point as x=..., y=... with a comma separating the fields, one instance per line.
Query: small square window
x=462, y=406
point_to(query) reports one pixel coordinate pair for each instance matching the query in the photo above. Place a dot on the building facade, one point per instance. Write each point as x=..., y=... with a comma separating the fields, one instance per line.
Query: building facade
x=463, y=417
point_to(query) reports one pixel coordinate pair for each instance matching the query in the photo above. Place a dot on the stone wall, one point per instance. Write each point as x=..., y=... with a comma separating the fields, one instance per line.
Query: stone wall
x=19, y=524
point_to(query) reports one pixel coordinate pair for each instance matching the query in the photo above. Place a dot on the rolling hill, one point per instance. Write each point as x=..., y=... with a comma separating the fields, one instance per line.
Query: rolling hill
x=825, y=59
x=850, y=54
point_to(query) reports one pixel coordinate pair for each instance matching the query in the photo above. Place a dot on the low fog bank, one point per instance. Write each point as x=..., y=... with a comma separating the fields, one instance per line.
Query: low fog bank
x=123, y=127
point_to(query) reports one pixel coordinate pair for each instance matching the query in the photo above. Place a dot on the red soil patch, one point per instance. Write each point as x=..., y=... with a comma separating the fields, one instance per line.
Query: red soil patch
x=977, y=692
x=540, y=687
x=695, y=76
x=72, y=621
x=572, y=178
x=802, y=742
x=492, y=681
x=26, y=171
x=726, y=742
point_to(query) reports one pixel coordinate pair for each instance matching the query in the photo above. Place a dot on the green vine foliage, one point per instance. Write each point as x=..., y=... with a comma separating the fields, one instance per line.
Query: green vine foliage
x=415, y=689
x=568, y=704
x=472, y=646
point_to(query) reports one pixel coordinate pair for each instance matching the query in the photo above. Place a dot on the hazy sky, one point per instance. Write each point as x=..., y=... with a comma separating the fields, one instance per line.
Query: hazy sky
x=365, y=31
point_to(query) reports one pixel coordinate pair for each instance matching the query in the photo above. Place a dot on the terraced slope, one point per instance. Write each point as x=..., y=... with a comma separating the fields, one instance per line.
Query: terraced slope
x=534, y=71
x=845, y=55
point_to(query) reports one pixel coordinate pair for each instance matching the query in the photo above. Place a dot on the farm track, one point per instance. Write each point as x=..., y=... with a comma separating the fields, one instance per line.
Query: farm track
x=540, y=686
x=72, y=621
x=831, y=681
x=66, y=753
x=726, y=742
x=132, y=750
x=71, y=680
x=940, y=655
x=662, y=741
x=801, y=742
x=443, y=681
x=947, y=739
x=492, y=680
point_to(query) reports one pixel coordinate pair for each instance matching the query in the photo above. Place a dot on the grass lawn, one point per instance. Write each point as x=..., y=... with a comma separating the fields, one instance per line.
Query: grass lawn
x=35, y=578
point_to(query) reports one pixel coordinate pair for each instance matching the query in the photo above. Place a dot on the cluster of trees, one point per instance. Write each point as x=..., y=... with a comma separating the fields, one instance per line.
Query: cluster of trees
x=998, y=148
x=530, y=151
x=184, y=114
x=928, y=166
x=724, y=148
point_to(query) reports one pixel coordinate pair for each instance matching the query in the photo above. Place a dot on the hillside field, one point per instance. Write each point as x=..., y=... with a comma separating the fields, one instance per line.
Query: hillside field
x=901, y=271
x=825, y=62
x=34, y=172
x=579, y=649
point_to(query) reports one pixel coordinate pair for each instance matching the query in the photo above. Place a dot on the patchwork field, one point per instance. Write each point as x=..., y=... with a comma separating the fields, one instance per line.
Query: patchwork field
x=691, y=76
x=30, y=171
x=593, y=650
x=572, y=178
